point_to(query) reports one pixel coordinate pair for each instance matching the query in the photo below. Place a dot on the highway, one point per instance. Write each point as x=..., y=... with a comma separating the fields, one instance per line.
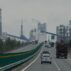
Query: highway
x=57, y=64
x=23, y=49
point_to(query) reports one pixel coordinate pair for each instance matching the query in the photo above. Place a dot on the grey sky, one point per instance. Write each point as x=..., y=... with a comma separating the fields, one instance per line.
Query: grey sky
x=53, y=12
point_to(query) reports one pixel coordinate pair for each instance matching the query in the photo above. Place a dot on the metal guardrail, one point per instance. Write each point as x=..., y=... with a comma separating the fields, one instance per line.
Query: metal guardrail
x=16, y=63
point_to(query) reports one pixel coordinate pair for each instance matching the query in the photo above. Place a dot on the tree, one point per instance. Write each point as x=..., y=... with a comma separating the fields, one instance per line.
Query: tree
x=1, y=46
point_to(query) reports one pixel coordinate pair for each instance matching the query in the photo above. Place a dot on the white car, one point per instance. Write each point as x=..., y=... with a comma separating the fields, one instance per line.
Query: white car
x=45, y=57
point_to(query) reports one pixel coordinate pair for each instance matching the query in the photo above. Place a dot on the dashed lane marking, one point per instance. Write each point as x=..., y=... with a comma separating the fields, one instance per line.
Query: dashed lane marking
x=57, y=66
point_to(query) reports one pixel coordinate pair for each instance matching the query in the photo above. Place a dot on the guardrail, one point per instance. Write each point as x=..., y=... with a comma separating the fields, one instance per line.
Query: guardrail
x=14, y=64
x=22, y=58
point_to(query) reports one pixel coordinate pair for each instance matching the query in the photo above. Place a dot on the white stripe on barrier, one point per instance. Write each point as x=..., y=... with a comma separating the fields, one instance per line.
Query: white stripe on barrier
x=15, y=63
x=31, y=62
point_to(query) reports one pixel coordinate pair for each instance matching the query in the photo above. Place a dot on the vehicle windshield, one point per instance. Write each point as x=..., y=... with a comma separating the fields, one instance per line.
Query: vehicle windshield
x=45, y=55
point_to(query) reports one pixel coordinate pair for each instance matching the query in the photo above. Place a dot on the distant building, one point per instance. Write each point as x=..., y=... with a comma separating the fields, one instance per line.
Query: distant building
x=42, y=36
x=67, y=34
x=0, y=23
x=21, y=29
x=33, y=35
x=64, y=32
x=36, y=34
x=42, y=27
x=70, y=29
x=61, y=32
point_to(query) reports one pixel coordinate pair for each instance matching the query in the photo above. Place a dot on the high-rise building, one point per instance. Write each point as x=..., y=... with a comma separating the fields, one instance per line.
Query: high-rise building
x=42, y=36
x=0, y=22
x=70, y=29
x=42, y=27
x=67, y=33
x=61, y=32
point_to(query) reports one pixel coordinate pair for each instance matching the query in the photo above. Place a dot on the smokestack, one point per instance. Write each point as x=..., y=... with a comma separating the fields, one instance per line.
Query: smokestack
x=22, y=28
x=0, y=22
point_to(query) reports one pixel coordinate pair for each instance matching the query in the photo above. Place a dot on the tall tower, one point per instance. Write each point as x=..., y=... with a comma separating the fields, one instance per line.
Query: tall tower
x=0, y=22
x=22, y=28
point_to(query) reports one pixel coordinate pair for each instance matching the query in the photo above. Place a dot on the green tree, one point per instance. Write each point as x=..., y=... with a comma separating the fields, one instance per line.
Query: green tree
x=1, y=46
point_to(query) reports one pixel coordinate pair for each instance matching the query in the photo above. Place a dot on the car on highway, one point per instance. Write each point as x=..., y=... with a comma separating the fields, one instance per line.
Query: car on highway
x=48, y=46
x=45, y=57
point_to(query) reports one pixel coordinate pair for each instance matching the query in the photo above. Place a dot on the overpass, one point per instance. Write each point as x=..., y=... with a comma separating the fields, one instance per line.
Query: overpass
x=48, y=33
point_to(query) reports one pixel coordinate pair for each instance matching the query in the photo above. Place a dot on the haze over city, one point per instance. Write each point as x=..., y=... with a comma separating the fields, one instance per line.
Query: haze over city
x=35, y=35
x=52, y=12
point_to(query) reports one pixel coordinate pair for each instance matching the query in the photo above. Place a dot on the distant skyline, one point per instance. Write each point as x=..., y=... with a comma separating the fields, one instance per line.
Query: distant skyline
x=52, y=12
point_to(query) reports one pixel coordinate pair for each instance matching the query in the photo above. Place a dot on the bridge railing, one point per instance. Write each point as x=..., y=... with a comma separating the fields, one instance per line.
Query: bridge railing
x=10, y=60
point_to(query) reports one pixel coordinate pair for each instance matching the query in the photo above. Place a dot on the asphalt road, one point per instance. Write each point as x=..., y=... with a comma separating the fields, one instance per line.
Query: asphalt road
x=23, y=49
x=57, y=64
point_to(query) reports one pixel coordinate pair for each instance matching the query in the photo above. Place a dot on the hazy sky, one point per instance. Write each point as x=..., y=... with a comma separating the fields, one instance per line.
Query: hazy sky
x=53, y=12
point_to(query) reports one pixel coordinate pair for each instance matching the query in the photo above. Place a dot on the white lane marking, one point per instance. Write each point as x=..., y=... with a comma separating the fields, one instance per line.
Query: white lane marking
x=57, y=66
x=31, y=62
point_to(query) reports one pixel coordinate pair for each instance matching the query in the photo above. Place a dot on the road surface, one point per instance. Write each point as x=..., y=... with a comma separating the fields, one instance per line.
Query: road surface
x=57, y=64
x=23, y=49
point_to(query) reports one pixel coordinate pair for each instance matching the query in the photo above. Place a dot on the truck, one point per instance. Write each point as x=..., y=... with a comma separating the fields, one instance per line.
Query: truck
x=61, y=50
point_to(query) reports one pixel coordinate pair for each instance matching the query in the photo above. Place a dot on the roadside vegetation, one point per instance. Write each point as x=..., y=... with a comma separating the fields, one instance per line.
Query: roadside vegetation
x=10, y=44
